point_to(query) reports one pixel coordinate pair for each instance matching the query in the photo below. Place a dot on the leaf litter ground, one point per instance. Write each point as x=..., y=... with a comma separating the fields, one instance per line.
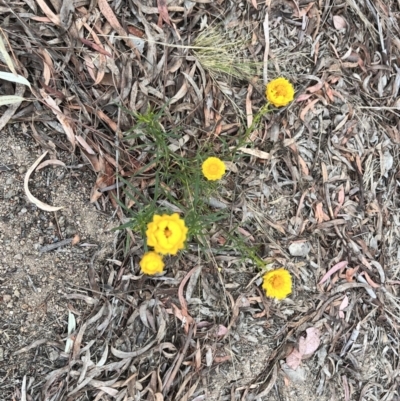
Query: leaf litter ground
x=312, y=187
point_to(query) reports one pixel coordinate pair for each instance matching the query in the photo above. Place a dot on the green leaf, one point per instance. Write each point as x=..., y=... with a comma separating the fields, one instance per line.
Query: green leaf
x=19, y=79
x=11, y=99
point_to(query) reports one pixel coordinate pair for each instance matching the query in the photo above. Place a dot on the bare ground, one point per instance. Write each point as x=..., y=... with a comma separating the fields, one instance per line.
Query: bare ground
x=34, y=284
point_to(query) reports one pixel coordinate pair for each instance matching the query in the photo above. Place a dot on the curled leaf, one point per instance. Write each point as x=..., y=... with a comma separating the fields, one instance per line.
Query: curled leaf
x=49, y=163
x=31, y=198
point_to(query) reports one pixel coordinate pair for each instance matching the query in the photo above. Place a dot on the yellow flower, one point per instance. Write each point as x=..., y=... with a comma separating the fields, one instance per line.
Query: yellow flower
x=151, y=263
x=213, y=168
x=277, y=283
x=279, y=92
x=167, y=233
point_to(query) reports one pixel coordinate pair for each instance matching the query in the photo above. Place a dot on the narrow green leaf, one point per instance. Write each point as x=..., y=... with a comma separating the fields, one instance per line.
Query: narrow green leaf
x=19, y=79
x=11, y=99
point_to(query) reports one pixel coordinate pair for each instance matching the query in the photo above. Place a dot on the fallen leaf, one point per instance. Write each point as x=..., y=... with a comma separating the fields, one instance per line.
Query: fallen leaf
x=31, y=198
x=10, y=99
x=350, y=273
x=334, y=269
x=231, y=166
x=95, y=46
x=71, y=328
x=309, y=107
x=343, y=305
x=293, y=360
x=222, y=359
x=308, y=345
x=339, y=22
x=6, y=56
x=66, y=13
x=314, y=88
x=320, y=215
x=301, y=13
x=162, y=9
x=369, y=280
x=49, y=163
x=255, y=152
x=222, y=330
x=55, y=19
x=246, y=234
x=60, y=117
x=109, y=15
x=302, y=97
x=104, y=180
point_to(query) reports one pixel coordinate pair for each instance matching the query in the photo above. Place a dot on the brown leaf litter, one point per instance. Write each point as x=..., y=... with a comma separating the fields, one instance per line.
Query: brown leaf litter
x=315, y=190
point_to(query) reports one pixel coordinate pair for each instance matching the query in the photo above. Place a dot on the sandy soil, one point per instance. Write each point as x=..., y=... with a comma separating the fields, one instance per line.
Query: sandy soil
x=33, y=284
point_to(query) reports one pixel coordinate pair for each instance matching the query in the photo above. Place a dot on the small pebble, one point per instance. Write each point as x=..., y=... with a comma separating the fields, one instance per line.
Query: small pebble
x=9, y=194
x=70, y=230
x=53, y=355
x=18, y=256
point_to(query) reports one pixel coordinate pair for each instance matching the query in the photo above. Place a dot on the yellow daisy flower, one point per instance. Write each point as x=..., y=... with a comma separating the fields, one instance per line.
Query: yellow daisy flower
x=213, y=168
x=151, y=263
x=277, y=283
x=166, y=233
x=279, y=92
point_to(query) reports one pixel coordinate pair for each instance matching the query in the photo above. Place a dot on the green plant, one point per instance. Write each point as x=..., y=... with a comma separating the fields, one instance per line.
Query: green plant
x=174, y=180
x=171, y=180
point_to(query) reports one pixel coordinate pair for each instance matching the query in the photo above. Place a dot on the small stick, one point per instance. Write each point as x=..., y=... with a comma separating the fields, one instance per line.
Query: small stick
x=266, y=52
x=59, y=244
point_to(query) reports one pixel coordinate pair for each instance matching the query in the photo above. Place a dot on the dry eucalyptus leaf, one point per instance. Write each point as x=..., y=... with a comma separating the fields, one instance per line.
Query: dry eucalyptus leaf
x=31, y=198
x=332, y=270
x=344, y=304
x=6, y=57
x=60, y=116
x=293, y=360
x=255, y=152
x=71, y=328
x=230, y=166
x=339, y=22
x=50, y=163
x=308, y=345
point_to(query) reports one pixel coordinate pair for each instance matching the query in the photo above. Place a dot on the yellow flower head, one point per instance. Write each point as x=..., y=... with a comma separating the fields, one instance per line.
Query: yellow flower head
x=166, y=233
x=277, y=283
x=151, y=263
x=213, y=168
x=279, y=92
